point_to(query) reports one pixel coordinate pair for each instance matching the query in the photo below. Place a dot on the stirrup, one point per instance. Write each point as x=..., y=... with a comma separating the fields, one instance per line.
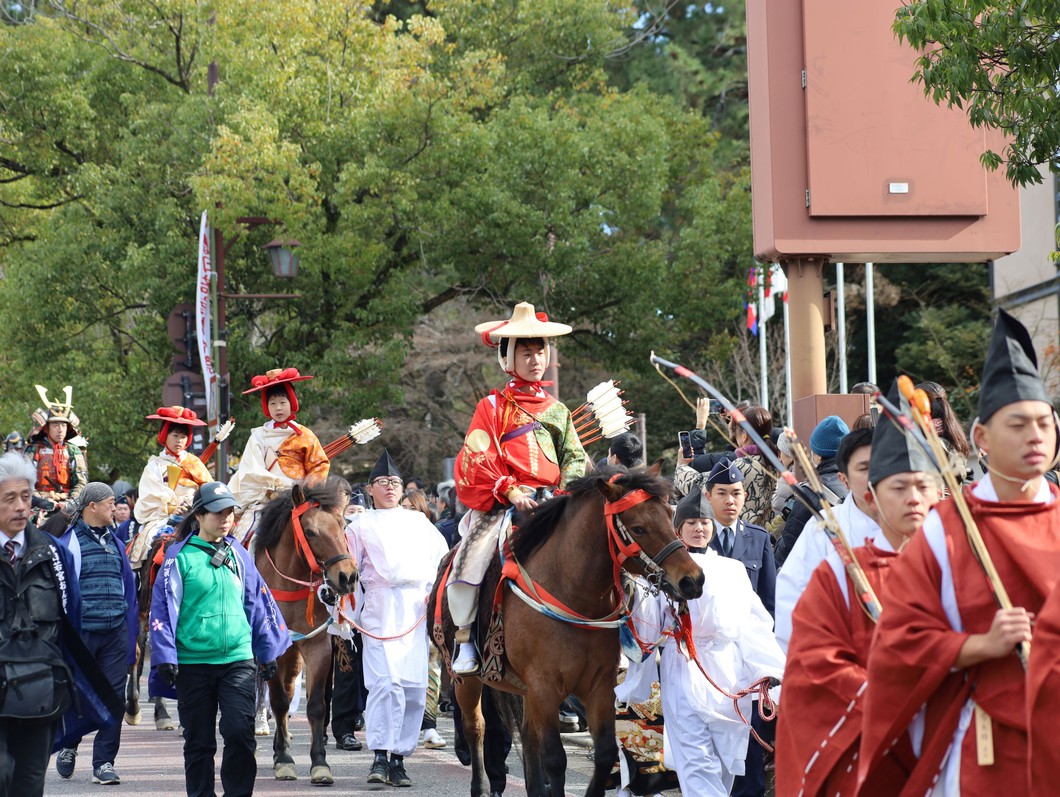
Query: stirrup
x=467, y=660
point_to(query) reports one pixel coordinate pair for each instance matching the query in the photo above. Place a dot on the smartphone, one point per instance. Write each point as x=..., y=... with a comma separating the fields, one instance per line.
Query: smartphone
x=684, y=439
x=716, y=407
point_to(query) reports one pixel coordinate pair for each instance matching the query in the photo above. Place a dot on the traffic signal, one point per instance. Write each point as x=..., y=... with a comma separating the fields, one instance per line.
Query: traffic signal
x=185, y=386
x=181, y=328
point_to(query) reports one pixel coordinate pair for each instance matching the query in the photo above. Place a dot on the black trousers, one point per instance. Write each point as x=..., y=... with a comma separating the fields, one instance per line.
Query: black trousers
x=25, y=749
x=110, y=650
x=202, y=689
x=349, y=695
x=496, y=742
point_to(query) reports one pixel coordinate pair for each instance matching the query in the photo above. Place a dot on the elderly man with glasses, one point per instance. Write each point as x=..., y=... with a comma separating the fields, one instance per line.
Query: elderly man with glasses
x=397, y=551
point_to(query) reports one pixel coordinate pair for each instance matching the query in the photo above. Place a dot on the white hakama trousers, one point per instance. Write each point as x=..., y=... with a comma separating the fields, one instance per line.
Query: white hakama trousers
x=394, y=713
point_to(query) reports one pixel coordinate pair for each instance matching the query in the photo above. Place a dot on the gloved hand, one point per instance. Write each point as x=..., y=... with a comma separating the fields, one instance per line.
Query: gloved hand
x=168, y=673
x=327, y=594
x=773, y=682
x=269, y=669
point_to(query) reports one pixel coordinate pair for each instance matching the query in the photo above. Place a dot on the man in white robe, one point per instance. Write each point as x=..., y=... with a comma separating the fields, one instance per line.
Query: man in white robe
x=854, y=517
x=705, y=740
x=397, y=551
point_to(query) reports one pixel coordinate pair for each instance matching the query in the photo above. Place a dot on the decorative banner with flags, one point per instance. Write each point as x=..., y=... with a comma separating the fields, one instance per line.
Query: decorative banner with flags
x=776, y=287
x=203, y=328
x=751, y=300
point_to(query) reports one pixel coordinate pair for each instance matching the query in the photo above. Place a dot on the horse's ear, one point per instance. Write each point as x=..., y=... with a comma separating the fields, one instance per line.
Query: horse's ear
x=656, y=467
x=297, y=494
x=612, y=492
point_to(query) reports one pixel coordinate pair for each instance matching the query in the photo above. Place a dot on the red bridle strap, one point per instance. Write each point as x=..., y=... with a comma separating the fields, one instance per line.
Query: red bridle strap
x=623, y=550
x=299, y=535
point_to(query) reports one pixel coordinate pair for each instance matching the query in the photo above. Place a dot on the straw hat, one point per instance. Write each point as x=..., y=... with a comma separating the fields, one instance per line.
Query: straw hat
x=524, y=323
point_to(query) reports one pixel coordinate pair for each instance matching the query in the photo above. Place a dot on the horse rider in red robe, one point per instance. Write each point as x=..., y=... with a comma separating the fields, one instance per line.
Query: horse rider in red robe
x=521, y=441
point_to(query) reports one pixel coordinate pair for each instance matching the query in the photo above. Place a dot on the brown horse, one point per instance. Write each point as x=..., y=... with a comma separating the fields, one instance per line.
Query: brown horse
x=300, y=547
x=570, y=550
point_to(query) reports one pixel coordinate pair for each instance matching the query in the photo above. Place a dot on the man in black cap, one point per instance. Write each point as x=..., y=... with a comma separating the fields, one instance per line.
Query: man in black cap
x=398, y=551
x=736, y=539
x=752, y=545
x=942, y=645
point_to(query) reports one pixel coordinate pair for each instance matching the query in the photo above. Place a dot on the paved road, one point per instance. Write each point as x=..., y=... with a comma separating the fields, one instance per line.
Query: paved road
x=151, y=763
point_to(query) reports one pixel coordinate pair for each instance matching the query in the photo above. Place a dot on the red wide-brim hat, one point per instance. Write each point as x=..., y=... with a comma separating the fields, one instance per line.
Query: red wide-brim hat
x=277, y=376
x=177, y=414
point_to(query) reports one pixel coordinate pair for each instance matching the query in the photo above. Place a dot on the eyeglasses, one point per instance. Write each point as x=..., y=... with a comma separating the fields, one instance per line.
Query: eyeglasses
x=387, y=482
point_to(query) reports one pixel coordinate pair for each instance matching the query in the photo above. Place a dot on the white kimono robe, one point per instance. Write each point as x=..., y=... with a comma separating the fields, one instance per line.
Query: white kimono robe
x=397, y=551
x=705, y=741
x=810, y=549
x=157, y=501
x=259, y=475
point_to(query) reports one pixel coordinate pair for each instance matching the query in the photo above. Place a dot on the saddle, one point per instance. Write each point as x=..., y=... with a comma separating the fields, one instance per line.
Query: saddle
x=489, y=627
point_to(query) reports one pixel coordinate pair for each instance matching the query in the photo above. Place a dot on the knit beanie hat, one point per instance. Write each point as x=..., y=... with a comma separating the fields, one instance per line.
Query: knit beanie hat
x=94, y=493
x=824, y=441
x=784, y=446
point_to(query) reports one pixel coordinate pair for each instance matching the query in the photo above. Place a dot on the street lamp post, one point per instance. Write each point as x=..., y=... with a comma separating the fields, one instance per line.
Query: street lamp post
x=284, y=264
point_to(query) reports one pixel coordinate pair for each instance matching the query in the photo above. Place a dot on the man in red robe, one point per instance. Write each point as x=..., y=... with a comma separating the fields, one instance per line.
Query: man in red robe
x=819, y=725
x=943, y=664
x=1043, y=699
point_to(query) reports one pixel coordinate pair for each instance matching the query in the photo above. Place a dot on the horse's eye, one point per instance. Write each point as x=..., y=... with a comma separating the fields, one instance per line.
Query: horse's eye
x=639, y=530
x=309, y=532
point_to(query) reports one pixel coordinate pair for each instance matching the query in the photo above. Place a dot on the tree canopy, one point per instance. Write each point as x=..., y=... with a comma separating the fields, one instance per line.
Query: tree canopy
x=471, y=150
x=999, y=61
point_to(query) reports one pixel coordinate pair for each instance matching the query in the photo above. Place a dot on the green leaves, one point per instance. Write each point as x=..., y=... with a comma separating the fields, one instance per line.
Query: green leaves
x=999, y=61
x=467, y=150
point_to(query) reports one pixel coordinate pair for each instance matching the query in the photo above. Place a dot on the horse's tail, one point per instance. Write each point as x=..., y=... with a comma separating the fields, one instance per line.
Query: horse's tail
x=509, y=708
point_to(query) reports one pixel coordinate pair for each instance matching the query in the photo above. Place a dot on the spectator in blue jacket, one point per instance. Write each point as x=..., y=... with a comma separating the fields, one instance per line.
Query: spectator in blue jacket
x=211, y=614
x=109, y=621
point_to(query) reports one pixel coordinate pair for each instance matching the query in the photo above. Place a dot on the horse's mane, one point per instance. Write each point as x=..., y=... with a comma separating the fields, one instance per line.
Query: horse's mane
x=540, y=525
x=277, y=513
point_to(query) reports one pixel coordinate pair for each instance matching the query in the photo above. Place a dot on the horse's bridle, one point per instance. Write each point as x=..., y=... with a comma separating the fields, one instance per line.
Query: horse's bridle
x=624, y=547
x=316, y=566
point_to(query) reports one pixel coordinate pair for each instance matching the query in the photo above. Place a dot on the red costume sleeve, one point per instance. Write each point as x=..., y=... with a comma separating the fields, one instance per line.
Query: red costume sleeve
x=1043, y=699
x=910, y=662
x=481, y=474
x=819, y=722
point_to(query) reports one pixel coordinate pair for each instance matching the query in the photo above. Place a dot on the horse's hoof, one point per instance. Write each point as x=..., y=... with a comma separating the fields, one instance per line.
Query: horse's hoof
x=133, y=719
x=285, y=772
x=164, y=724
x=320, y=775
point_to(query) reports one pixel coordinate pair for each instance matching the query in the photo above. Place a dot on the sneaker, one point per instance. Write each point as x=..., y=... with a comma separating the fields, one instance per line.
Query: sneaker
x=379, y=772
x=261, y=723
x=64, y=762
x=348, y=742
x=568, y=723
x=398, y=776
x=105, y=775
x=433, y=740
x=466, y=662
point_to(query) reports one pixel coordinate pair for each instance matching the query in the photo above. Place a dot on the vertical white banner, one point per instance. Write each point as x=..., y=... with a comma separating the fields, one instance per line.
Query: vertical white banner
x=202, y=317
